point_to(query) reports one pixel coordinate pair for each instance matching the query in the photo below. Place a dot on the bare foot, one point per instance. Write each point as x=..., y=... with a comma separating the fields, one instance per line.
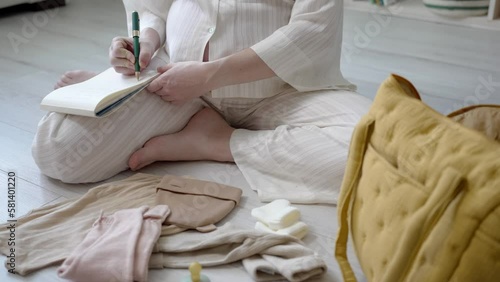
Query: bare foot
x=205, y=137
x=72, y=77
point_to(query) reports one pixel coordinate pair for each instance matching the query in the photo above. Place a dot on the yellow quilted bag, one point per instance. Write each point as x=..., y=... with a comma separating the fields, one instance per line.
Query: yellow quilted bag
x=421, y=195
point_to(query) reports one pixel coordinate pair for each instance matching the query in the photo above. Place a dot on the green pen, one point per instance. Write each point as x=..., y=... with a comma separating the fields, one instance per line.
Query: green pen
x=137, y=48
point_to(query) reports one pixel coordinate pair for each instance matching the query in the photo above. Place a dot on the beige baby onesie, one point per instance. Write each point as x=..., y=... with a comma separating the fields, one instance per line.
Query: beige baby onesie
x=48, y=235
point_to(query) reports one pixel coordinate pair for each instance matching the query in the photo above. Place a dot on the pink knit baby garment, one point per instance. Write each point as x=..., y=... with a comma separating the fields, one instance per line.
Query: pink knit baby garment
x=117, y=248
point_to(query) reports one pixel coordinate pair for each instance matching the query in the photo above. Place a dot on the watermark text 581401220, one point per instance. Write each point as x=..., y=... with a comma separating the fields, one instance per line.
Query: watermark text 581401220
x=11, y=222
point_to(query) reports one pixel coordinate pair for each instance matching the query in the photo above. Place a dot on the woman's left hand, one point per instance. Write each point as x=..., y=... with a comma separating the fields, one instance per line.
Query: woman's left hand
x=180, y=82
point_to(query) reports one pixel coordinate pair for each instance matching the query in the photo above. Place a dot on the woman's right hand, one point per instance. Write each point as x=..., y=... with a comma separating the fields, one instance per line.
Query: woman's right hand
x=121, y=55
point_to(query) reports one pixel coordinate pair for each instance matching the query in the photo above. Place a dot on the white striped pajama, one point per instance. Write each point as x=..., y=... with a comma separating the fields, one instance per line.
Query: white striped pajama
x=294, y=145
x=292, y=142
x=299, y=40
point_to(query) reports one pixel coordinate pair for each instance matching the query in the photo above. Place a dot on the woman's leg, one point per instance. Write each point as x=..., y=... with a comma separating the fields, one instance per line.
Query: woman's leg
x=205, y=137
x=295, y=145
x=78, y=149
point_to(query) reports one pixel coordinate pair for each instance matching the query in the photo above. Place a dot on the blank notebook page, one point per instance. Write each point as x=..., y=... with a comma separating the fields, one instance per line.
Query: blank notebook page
x=88, y=94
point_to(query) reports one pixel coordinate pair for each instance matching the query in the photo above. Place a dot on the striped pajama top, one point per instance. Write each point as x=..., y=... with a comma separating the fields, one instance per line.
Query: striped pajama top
x=299, y=40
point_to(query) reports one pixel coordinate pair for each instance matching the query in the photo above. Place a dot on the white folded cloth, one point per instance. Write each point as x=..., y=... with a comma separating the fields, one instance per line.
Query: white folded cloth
x=296, y=266
x=265, y=256
x=297, y=230
x=277, y=215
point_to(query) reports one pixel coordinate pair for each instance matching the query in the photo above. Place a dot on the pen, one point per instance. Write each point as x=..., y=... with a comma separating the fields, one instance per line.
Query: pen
x=135, y=34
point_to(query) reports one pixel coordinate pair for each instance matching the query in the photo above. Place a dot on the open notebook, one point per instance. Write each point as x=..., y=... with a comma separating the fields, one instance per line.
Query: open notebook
x=98, y=96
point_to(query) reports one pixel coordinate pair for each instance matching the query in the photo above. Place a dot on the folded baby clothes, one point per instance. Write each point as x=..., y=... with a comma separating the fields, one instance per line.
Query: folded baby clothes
x=47, y=235
x=117, y=248
x=278, y=214
x=285, y=256
x=297, y=230
x=196, y=204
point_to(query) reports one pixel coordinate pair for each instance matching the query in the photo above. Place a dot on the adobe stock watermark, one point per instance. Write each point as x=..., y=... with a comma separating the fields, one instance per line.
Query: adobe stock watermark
x=364, y=35
x=485, y=88
x=426, y=146
x=225, y=174
x=31, y=25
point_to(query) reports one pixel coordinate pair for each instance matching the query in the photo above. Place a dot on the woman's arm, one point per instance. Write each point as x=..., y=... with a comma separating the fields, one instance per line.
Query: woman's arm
x=305, y=53
x=242, y=67
x=180, y=82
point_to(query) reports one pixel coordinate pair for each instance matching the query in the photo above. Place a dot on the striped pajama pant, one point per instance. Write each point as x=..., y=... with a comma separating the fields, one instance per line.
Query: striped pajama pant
x=290, y=146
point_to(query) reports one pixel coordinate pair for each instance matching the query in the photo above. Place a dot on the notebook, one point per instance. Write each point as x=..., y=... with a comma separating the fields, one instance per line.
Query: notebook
x=98, y=96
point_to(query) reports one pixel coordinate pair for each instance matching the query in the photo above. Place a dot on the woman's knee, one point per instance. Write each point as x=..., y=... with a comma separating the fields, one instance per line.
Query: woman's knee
x=67, y=148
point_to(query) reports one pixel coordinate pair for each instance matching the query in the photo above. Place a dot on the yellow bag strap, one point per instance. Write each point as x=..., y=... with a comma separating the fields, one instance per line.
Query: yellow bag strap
x=359, y=143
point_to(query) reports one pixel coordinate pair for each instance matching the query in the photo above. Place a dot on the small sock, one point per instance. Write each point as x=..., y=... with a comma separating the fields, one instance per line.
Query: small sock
x=297, y=267
x=107, y=252
x=150, y=232
x=278, y=214
x=260, y=269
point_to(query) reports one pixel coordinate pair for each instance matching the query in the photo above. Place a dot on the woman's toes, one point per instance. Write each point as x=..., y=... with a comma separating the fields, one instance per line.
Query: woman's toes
x=79, y=75
x=139, y=159
x=73, y=77
x=134, y=162
x=151, y=152
x=59, y=84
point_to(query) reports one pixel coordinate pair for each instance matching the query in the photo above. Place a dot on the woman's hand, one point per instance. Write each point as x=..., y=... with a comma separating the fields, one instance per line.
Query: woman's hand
x=180, y=82
x=121, y=55
x=121, y=51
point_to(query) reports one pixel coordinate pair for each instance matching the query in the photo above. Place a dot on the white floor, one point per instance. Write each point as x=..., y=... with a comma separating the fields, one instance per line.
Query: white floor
x=450, y=65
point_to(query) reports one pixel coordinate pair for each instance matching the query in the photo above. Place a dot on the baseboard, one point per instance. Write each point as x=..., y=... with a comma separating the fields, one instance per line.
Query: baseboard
x=32, y=7
x=415, y=9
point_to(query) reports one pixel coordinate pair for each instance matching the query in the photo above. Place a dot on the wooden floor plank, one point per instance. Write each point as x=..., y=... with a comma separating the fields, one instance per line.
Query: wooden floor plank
x=15, y=154
x=27, y=196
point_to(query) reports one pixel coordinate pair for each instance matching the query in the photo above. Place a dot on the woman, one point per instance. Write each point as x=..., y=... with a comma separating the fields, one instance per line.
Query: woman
x=257, y=83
